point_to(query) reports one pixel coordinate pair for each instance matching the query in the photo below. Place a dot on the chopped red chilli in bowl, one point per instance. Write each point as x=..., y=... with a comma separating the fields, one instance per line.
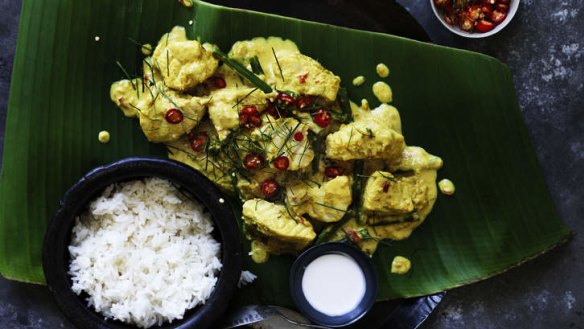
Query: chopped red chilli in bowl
x=474, y=15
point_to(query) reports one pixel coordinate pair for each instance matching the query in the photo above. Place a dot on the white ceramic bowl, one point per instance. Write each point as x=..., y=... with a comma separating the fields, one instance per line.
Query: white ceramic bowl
x=513, y=6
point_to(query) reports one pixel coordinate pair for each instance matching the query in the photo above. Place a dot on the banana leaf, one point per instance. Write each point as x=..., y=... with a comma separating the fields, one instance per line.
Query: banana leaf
x=457, y=104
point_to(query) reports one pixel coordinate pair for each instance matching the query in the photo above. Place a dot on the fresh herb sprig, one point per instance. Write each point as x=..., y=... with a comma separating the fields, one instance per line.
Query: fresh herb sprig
x=356, y=189
x=347, y=115
x=244, y=97
x=256, y=67
x=316, y=143
x=134, y=86
x=241, y=70
x=278, y=62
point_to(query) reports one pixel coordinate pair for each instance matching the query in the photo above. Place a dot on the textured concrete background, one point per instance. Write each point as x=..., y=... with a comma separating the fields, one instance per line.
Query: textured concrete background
x=544, y=47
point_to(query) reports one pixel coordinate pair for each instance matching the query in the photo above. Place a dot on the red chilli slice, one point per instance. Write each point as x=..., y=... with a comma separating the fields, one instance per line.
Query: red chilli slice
x=253, y=161
x=302, y=78
x=244, y=121
x=250, y=110
x=282, y=162
x=333, y=171
x=353, y=236
x=502, y=7
x=270, y=188
x=250, y=117
x=498, y=17
x=385, y=187
x=255, y=121
x=199, y=142
x=285, y=98
x=484, y=26
x=322, y=118
x=174, y=116
x=303, y=101
x=219, y=82
x=271, y=109
x=298, y=136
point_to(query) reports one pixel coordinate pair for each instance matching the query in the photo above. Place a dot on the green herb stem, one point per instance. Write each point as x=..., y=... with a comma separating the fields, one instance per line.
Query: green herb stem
x=325, y=235
x=345, y=105
x=356, y=189
x=278, y=62
x=245, y=73
x=315, y=141
x=256, y=67
x=126, y=74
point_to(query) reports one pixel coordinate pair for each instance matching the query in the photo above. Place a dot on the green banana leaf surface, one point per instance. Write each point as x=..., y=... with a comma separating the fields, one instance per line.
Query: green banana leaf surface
x=456, y=104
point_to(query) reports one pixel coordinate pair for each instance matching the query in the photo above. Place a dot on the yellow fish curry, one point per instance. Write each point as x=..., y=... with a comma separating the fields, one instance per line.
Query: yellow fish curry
x=275, y=128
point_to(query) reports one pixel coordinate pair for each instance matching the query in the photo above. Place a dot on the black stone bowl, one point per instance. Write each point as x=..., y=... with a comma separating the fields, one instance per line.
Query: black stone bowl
x=297, y=272
x=58, y=236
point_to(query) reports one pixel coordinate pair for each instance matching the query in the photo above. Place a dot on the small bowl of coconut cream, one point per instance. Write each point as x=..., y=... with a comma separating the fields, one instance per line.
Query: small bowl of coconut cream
x=333, y=284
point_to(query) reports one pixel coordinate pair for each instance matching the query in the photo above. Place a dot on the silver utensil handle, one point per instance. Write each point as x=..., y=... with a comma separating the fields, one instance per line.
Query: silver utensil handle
x=256, y=313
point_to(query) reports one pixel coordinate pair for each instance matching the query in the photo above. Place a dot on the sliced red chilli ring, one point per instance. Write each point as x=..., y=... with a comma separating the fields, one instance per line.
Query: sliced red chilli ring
x=174, y=116
x=270, y=188
x=282, y=162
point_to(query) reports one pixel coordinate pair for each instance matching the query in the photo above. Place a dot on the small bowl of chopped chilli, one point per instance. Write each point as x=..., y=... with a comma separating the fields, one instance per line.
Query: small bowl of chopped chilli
x=143, y=243
x=475, y=18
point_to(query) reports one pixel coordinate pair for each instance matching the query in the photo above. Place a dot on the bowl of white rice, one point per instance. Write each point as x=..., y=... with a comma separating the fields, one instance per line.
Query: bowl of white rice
x=143, y=243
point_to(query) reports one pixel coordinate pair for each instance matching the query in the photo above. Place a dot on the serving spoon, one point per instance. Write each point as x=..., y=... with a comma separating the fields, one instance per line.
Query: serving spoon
x=271, y=317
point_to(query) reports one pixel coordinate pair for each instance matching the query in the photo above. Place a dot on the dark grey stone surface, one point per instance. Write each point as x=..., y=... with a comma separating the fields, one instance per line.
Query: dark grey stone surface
x=544, y=47
x=9, y=13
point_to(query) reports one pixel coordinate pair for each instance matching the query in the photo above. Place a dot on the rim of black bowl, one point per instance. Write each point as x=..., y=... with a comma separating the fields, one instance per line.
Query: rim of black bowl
x=297, y=272
x=58, y=235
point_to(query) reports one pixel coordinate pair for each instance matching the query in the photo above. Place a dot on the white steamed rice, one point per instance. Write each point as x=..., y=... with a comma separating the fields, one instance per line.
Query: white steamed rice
x=144, y=253
x=246, y=278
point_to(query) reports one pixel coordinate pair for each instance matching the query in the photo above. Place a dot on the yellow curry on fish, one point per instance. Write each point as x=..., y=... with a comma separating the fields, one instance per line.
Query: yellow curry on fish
x=275, y=128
